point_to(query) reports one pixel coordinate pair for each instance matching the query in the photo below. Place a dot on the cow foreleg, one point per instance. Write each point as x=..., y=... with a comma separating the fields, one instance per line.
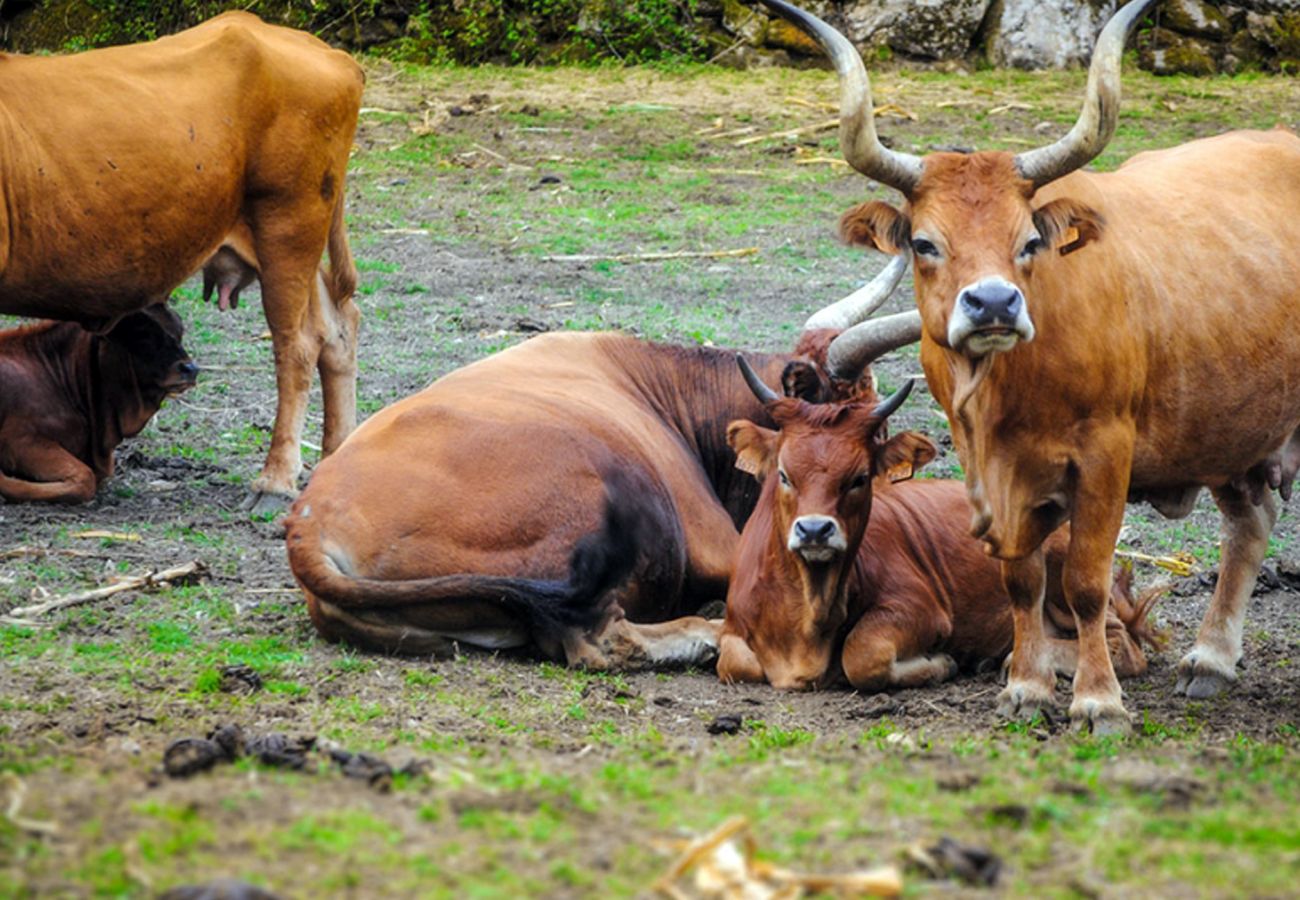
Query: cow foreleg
x=881, y=653
x=1098, y=704
x=737, y=662
x=1031, y=670
x=60, y=477
x=1211, y=665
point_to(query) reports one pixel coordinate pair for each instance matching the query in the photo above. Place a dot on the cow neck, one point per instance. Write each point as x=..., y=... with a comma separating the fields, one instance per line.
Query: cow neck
x=698, y=391
x=114, y=402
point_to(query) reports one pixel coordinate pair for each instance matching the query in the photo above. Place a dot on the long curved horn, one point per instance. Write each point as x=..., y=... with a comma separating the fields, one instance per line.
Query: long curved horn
x=858, y=141
x=858, y=347
x=764, y=393
x=1096, y=122
x=890, y=404
x=863, y=302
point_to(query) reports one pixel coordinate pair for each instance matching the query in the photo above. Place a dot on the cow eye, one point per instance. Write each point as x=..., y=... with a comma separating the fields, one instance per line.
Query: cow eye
x=783, y=478
x=922, y=247
x=1032, y=246
x=861, y=480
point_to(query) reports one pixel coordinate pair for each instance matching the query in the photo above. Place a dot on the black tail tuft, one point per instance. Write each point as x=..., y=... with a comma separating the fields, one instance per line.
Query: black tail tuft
x=601, y=561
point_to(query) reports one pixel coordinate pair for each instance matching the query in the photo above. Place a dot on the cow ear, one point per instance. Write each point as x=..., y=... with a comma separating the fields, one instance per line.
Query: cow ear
x=902, y=455
x=1068, y=225
x=755, y=447
x=800, y=379
x=877, y=225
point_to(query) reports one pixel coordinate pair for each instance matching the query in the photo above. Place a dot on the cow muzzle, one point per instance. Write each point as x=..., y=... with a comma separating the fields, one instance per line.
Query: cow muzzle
x=990, y=316
x=818, y=539
x=183, y=376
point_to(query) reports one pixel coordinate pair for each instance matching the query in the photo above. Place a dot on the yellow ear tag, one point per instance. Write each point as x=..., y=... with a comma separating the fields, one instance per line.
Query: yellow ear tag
x=745, y=464
x=901, y=472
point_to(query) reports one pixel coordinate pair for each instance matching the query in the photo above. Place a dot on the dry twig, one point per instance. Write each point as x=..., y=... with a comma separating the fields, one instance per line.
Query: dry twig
x=17, y=794
x=148, y=579
x=654, y=257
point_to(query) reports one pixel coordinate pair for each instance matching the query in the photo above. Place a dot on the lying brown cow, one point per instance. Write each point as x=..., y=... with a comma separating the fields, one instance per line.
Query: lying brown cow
x=68, y=397
x=489, y=508
x=116, y=195
x=842, y=574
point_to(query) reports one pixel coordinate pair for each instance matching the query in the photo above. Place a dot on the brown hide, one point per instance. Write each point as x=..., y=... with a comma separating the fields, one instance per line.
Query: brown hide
x=69, y=397
x=125, y=168
x=1159, y=365
x=500, y=468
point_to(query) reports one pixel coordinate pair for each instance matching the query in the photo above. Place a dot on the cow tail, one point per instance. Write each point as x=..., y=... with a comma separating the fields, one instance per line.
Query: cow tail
x=1135, y=613
x=343, y=270
x=600, y=563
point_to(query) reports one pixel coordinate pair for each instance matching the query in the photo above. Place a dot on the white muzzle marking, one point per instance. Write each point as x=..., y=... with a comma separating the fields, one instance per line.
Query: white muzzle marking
x=816, y=538
x=976, y=335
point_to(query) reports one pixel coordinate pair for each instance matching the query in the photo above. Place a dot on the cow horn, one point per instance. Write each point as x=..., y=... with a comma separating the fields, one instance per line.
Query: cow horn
x=764, y=393
x=1096, y=123
x=858, y=347
x=890, y=404
x=860, y=304
x=858, y=141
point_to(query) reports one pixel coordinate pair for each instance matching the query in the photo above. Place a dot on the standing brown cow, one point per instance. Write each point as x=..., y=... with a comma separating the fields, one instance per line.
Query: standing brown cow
x=1097, y=337
x=124, y=169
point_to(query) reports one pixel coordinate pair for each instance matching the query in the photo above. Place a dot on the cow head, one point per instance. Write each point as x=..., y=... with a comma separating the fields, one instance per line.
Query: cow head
x=144, y=348
x=817, y=469
x=971, y=221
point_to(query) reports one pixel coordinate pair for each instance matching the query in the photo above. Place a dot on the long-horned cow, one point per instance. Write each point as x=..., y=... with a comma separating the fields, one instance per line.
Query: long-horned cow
x=574, y=494
x=848, y=570
x=1095, y=337
x=124, y=169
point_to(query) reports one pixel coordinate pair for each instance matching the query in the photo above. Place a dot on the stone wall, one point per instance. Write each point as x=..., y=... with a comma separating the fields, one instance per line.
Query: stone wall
x=1192, y=36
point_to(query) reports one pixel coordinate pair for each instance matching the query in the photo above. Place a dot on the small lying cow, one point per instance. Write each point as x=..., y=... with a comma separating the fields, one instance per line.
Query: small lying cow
x=838, y=559
x=68, y=397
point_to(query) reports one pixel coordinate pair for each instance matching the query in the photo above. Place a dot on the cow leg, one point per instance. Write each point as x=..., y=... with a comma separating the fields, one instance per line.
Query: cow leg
x=618, y=645
x=62, y=478
x=1031, y=670
x=337, y=366
x=1098, y=704
x=286, y=292
x=879, y=654
x=737, y=661
x=1211, y=665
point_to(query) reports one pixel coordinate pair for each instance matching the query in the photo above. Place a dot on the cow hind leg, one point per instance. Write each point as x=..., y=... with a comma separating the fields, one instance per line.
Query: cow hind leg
x=287, y=275
x=61, y=477
x=1211, y=665
x=620, y=645
x=337, y=366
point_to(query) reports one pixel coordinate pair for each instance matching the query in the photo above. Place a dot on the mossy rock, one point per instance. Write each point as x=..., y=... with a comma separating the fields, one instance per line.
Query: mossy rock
x=1196, y=18
x=1165, y=52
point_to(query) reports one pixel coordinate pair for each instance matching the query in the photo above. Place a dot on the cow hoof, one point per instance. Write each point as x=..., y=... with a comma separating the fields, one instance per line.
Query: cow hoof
x=1022, y=701
x=1099, y=717
x=1201, y=676
x=263, y=503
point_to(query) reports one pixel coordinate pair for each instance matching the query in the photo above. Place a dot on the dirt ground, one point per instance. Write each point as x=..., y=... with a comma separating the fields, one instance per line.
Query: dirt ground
x=464, y=184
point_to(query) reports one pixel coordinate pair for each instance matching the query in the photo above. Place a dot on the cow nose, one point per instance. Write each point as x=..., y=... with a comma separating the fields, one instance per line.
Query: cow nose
x=815, y=531
x=991, y=302
x=189, y=368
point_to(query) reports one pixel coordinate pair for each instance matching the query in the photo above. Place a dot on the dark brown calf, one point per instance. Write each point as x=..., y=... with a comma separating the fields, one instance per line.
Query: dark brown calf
x=68, y=397
x=842, y=574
